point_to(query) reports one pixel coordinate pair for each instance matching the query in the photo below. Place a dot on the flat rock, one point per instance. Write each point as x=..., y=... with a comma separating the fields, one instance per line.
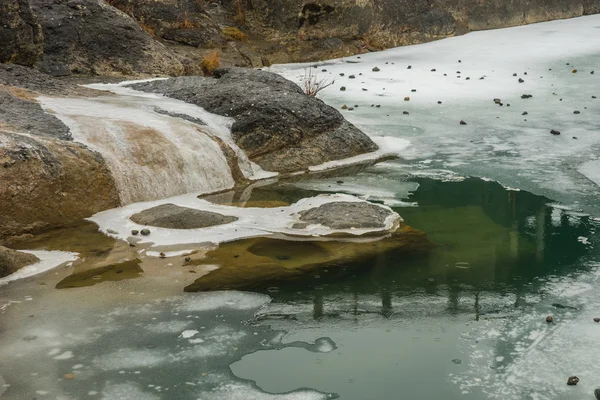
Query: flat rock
x=11, y=261
x=176, y=217
x=346, y=215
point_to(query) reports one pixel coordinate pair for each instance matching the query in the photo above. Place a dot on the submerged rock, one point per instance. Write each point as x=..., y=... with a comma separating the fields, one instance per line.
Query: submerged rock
x=260, y=263
x=347, y=215
x=176, y=217
x=276, y=124
x=11, y=261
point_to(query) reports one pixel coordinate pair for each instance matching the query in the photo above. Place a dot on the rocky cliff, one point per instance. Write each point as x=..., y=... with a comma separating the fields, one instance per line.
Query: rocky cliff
x=171, y=37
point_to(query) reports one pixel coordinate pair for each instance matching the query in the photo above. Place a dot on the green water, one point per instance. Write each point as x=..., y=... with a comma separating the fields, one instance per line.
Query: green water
x=403, y=326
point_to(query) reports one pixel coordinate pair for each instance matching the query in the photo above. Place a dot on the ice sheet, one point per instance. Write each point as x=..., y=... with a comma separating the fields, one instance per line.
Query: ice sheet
x=48, y=260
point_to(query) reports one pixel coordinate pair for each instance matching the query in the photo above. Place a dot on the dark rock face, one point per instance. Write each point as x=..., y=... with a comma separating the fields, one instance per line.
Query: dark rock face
x=20, y=34
x=91, y=37
x=28, y=116
x=177, y=217
x=276, y=124
x=11, y=261
x=347, y=215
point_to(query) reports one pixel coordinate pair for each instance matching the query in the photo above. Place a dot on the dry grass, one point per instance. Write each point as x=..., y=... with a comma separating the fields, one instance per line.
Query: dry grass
x=232, y=33
x=185, y=22
x=210, y=63
x=312, y=84
x=149, y=30
x=240, y=14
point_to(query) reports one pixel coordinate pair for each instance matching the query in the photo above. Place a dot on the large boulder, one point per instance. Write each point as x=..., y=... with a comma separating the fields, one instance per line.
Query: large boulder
x=347, y=215
x=91, y=37
x=48, y=182
x=11, y=261
x=276, y=124
x=20, y=33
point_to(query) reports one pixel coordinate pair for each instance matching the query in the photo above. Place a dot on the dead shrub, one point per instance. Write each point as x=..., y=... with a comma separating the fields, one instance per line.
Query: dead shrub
x=210, y=63
x=312, y=83
x=232, y=33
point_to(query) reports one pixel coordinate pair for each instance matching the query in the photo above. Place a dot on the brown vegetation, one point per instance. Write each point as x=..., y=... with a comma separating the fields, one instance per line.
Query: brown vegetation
x=232, y=33
x=210, y=63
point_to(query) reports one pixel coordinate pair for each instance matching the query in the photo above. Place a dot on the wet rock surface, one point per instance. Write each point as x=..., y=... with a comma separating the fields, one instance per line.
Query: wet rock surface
x=177, y=217
x=20, y=33
x=11, y=261
x=347, y=215
x=276, y=124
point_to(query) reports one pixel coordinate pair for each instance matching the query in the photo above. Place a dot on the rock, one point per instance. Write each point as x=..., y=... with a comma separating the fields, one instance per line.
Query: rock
x=347, y=215
x=20, y=33
x=597, y=394
x=555, y=132
x=350, y=108
x=375, y=69
x=351, y=77
x=515, y=74
x=592, y=72
x=593, y=97
x=463, y=122
x=98, y=39
x=549, y=319
x=496, y=100
x=526, y=96
x=11, y=261
x=596, y=319
x=576, y=112
x=572, y=381
x=574, y=71
x=287, y=131
x=413, y=90
x=145, y=232
x=47, y=182
x=343, y=88
x=187, y=259
x=409, y=67
x=176, y=217
x=521, y=80
x=162, y=255
x=344, y=107
x=407, y=98
x=433, y=70
x=439, y=102
x=524, y=113
x=134, y=232
x=341, y=74
x=378, y=106
x=405, y=112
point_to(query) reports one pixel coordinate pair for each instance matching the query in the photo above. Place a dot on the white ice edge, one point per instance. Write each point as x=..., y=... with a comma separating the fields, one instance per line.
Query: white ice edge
x=48, y=261
x=388, y=146
x=252, y=222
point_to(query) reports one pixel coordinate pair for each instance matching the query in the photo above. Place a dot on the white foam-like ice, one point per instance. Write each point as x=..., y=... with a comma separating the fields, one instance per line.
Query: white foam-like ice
x=252, y=222
x=126, y=391
x=241, y=391
x=216, y=300
x=48, y=261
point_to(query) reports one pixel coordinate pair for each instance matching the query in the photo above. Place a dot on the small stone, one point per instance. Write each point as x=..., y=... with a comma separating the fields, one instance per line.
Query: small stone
x=361, y=74
x=525, y=113
x=576, y=112
x=409, y=67
x=356, y=106
x=592, y=72
x=463, y=122
x=439, y=102
x=407, y=99
x=524, y=73
x=555, y=132
x=364, y=90
x=339, y=182
x=549, y=319
x=445, y=74
x=375, y=69
x=343, y=88
x=344, y=107
x=458, y=72
x=134, y=232
x=467, y=78
x=496, y=100
x=162, y=255
x=413, y=90
x=69, y=376
x=405, y=112
x=593, y=97
x=574, y=137
x=521, y=80
x=515, y=74
x=507, y=104
x=459, y=61
x=352, y=77
x=597, y=394
x=341, y=74
x=572, y=381
x=526, y=96
x=574, y=71
x=596, y=319
x=187, y=259
x=350, y=108
x=112, y=231
x=433, y=70
x=378, y=105
x=145, y=232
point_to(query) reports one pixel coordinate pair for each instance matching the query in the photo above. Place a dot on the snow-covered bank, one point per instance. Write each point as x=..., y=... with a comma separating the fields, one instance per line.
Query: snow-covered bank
x=458, y=79
x=48, y=260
